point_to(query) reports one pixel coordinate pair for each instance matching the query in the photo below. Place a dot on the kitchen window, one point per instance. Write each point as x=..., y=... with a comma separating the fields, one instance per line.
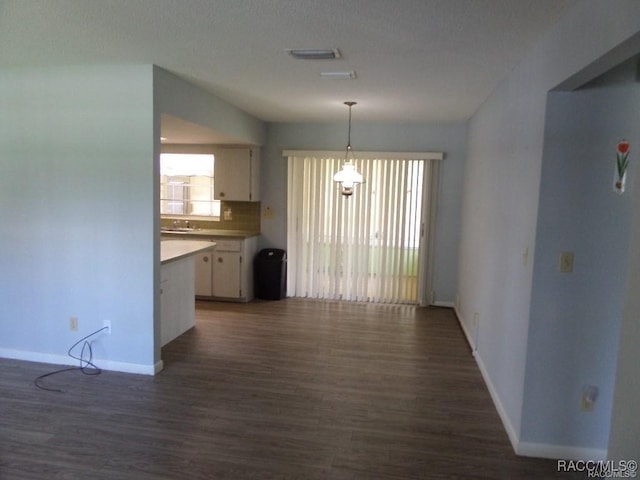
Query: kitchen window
x=186, y=185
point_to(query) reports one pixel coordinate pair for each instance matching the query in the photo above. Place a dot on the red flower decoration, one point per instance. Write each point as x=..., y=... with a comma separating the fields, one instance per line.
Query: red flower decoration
x=622, y=162
x=623, y=147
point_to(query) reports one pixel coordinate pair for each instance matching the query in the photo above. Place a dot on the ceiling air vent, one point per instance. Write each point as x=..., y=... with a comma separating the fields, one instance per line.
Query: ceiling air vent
x=315, y=53
x=338, y=75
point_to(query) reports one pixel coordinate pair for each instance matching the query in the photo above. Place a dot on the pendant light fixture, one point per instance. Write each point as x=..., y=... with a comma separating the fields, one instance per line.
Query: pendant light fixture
x=348, y=177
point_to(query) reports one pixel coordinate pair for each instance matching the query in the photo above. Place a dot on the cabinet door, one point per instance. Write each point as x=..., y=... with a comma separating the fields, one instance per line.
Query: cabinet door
x=237, y=175
x=226, y=275
x=204, y=280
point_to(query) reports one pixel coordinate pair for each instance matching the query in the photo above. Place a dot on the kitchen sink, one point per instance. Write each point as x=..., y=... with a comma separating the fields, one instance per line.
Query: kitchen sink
x=179, y=229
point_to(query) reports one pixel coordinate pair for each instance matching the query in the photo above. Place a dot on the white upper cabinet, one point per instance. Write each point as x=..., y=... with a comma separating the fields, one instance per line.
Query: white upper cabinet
x=237, y=174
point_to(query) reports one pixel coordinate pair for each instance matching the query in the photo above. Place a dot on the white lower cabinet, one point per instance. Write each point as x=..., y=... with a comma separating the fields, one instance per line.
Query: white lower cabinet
x=204, y=274
x=233, y=269
x=227, y=278
x=227, y=272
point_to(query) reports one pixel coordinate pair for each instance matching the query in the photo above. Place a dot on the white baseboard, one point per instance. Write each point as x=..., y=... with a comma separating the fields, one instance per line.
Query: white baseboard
x=465, y=330
x=512, y=433
x=158, y=367
x=527, y=449
x=129, y=367
x=444, y=304
x=66, y=360
x=544, y=450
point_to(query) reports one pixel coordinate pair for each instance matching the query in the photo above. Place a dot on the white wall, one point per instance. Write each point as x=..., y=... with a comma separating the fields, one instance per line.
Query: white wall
x=448, y=138
x=502, y=177
x=76, y=203
x=575, y=318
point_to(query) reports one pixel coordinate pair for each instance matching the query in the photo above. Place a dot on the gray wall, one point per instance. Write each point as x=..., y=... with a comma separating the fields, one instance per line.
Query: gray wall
x=79, y=150
x=500, y=205
x=179, y=98
x=625, y=422
x=575, y=318
x=76, y=202
x=448, y=138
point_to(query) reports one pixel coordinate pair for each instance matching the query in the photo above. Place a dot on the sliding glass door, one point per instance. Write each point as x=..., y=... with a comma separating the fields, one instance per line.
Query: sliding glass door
x=372, y=246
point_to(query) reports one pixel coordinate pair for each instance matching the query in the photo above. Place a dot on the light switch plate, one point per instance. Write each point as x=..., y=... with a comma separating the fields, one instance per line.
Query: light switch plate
x=566, y=262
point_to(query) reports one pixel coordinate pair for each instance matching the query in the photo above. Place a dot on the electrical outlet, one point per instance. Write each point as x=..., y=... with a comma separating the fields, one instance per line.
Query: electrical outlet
x=588, y=398
x=73, y=324
x=106, y=324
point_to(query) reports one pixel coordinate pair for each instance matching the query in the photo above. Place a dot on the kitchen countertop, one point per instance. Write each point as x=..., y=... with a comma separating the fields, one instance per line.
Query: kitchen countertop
x=207, y=232
x=171, y=250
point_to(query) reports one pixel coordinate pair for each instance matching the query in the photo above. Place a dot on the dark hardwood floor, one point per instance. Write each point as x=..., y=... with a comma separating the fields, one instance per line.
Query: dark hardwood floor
x=271, y=390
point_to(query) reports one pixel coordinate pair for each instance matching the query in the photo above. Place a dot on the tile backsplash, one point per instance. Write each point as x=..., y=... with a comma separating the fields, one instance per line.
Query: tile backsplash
x=243, y=216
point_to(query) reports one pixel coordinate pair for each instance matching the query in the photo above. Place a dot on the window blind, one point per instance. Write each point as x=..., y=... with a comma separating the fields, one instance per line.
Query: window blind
x=366, y=247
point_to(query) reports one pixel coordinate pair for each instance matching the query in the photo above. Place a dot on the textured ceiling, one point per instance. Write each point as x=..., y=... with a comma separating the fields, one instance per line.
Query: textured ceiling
x=416, y=60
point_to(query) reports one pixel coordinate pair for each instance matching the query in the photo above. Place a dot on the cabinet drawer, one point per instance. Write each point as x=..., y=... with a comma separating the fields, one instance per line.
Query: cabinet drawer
x=228, y=245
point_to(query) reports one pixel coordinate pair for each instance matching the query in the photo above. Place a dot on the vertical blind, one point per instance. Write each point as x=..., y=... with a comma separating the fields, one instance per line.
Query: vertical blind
x=366, y=247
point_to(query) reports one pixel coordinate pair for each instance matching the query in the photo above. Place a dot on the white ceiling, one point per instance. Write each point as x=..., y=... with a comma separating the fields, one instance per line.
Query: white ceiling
x=416, y=60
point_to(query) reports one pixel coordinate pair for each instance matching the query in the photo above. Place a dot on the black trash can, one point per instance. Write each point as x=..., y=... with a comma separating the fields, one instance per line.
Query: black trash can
x=270, y=274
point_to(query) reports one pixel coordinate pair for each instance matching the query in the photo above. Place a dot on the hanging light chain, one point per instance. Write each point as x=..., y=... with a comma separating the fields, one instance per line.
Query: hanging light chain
x=349, y=104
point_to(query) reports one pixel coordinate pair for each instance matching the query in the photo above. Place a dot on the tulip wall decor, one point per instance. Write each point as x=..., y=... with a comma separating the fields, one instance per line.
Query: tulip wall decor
x=622, y=162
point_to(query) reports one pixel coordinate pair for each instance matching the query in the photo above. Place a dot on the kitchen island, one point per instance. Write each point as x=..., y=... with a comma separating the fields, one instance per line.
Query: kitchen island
x=177, y=286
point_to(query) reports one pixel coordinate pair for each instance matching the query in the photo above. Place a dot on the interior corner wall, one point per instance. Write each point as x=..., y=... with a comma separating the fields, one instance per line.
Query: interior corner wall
x=501, y=188
x=575, y=317
x=447, y=138
x=77, y=202
x=179, y=98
